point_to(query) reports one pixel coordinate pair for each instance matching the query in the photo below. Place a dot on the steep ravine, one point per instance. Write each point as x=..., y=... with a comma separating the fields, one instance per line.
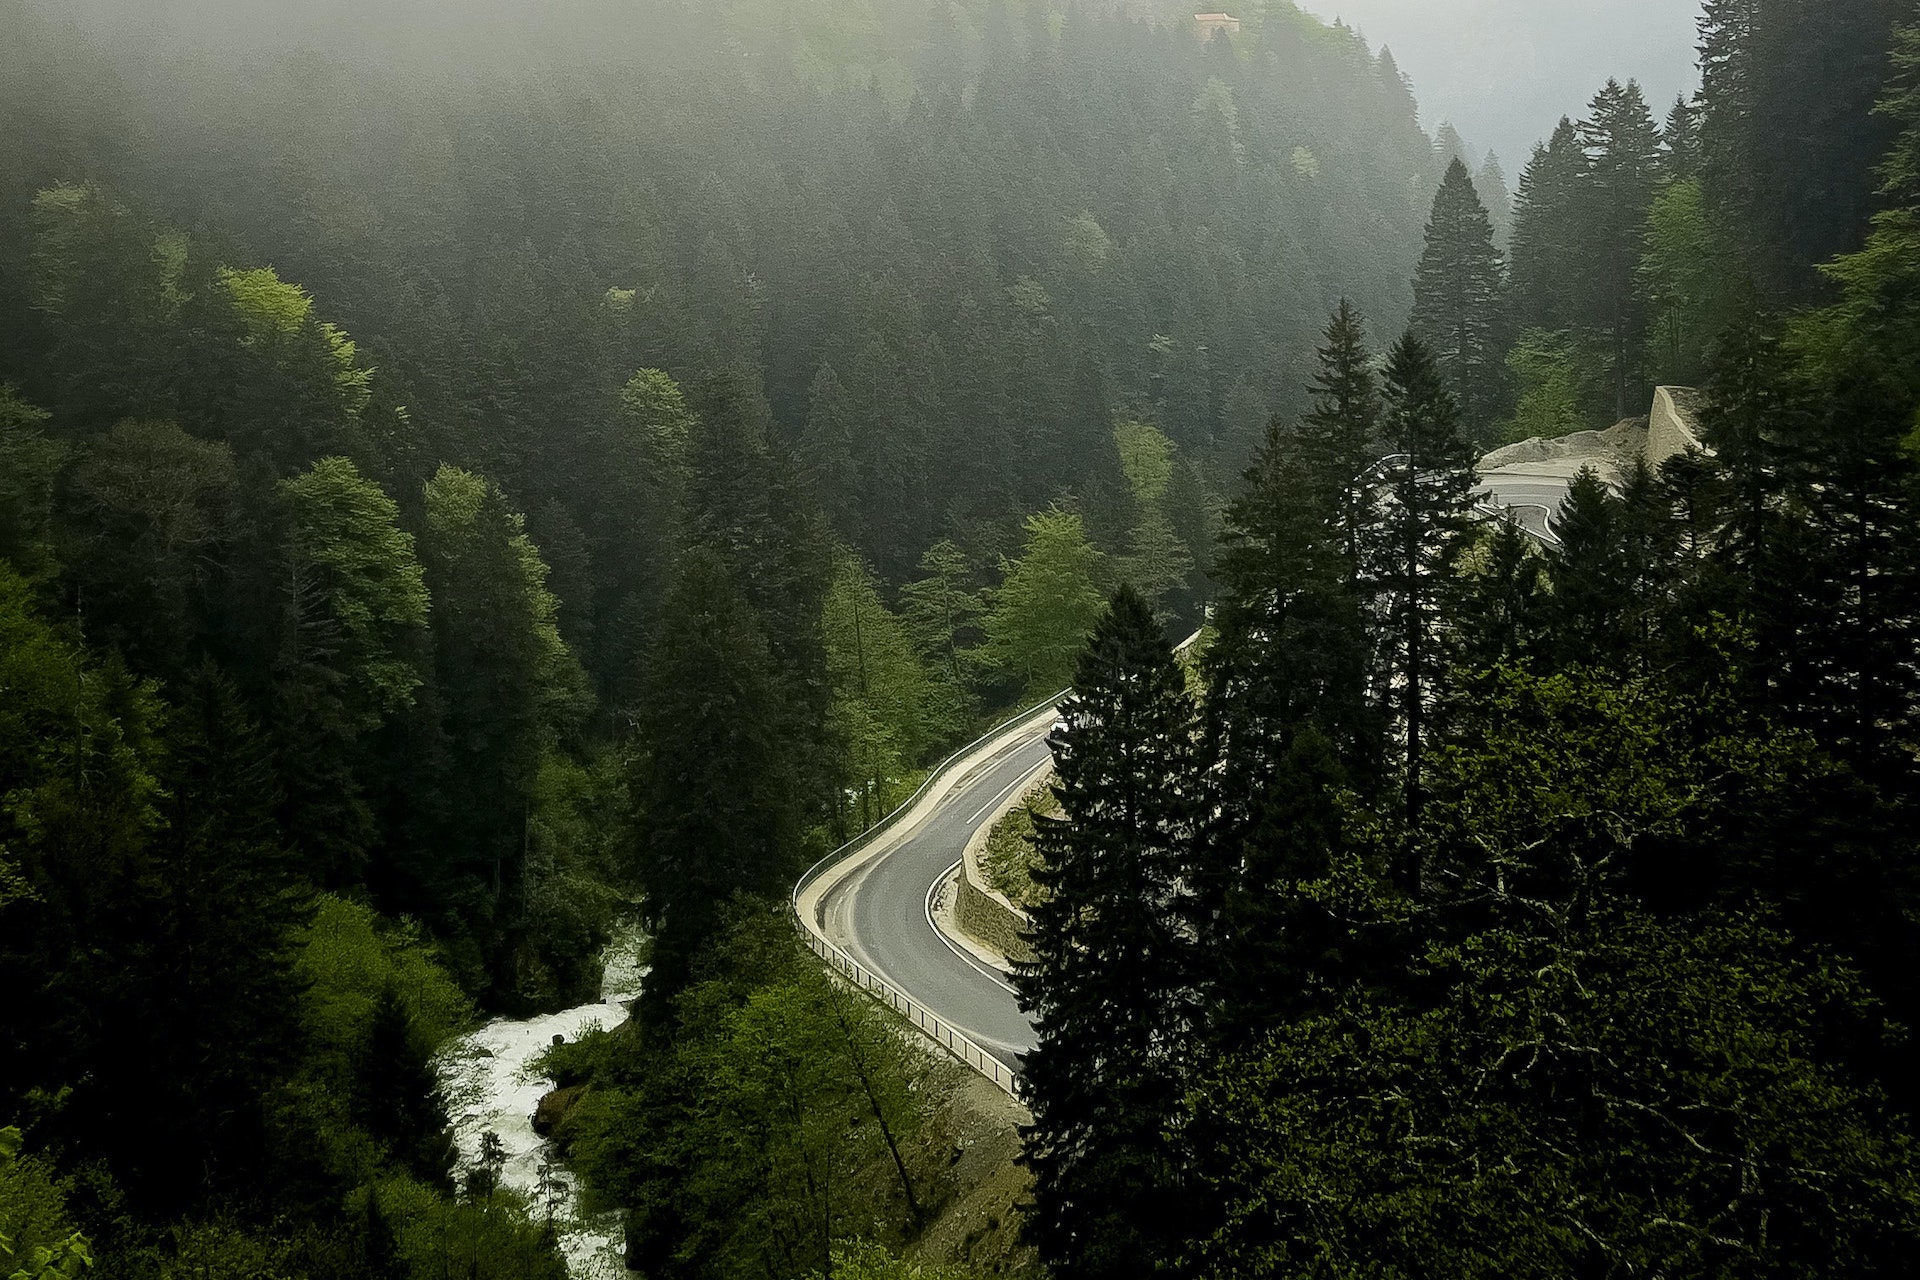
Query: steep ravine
x=490, y=1085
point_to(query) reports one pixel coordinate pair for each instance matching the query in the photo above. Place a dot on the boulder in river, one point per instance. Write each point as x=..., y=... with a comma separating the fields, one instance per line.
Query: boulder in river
x=553, y=1108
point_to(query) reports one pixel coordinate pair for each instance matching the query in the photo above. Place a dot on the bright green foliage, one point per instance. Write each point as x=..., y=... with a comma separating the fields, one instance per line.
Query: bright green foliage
x=1459, y=300
x=274, y=311
x=29, y=462
x=349, y=956
x=1556, y=379
x=354, y=586
x=1047, y=603
x=863, y=1261
x=495, y=1238
x=1157, y=562
x=789, y=1117
x=37, y=1242
x=880, y=690
x=1613, y=1093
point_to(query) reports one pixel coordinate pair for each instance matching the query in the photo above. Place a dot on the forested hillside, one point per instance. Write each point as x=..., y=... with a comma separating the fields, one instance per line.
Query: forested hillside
x=1511, y=906
x=470, y=474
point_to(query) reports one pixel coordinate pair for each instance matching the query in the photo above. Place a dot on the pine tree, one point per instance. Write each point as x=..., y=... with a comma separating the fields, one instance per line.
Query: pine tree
x=506, y=683
x=1459, y=300
x=1592, y=576
x=1680, y=141
x=1112, y=985
x=1623, y=173
x=1789, y=139
x=1490, y=183
x=1500, y=617
x=1338, y=440
x=397, y=1096
x=1291, y=645
x=1427, y=521
x=715, y=785
x=1546, y=233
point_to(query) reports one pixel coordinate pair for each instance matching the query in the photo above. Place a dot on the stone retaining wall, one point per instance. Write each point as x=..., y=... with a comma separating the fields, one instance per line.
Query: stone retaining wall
x=984, y=913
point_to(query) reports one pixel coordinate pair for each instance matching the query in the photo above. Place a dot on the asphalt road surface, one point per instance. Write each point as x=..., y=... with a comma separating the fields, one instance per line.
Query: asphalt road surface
x=1531, y=498
x=880, y=915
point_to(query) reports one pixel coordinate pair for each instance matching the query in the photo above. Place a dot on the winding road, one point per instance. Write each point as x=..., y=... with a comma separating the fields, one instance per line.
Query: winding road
x=870, y=904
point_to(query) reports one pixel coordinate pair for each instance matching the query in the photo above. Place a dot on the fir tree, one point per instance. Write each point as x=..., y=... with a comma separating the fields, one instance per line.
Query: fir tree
x=1490, y=183
x=397, y=1096
x=1112, y=986
x=1546, y=234
x=1623, y=173
x=1501, y=615
x=715, y=783
x=1338, y=439
x=1411, y=556
x=1459, y=300
x=1680, y=141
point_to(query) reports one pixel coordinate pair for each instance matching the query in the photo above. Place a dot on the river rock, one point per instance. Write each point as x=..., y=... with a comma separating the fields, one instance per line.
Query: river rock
x=553, y=1108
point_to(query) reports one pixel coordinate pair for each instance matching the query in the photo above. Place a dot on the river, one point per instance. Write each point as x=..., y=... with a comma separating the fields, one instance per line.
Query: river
x=489, y=1084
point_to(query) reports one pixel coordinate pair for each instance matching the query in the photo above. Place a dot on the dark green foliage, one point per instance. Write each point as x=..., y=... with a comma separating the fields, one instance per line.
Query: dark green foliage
x=148, y=512
x=1339, y=436
x=1500, y=616
x=1622, y=175
x=1411, y=551
x=1787, y=142
x=397, y=1096
x=1111, y=982
x=1459, y=301
x=29, y=463
x=715, y=792
x=1617, y=1095
x=1546, y=233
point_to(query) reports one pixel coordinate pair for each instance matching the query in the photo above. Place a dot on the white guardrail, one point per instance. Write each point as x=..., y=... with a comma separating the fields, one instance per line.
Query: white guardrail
x=845, y=860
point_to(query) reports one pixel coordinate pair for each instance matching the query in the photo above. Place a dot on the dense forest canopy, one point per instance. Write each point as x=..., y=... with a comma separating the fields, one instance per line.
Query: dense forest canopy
x=474, y=474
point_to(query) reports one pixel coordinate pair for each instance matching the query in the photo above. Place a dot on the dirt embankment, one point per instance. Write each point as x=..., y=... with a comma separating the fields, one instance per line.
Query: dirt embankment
x=1611, y=452
x=979, y=1226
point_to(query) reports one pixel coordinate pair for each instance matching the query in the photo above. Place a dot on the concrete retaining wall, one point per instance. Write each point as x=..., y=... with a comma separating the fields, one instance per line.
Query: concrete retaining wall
x=1673, y=429
x=983, y=912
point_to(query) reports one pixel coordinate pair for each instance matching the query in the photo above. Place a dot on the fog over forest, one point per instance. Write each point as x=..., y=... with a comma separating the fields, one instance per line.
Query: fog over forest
x=1355, y=707
x=1504, y=71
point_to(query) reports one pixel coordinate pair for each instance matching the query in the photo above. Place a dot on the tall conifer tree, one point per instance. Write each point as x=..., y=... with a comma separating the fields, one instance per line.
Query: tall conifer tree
x=1459, y=299
x=1338, y=440
x=1545, y=232
x=1413, y=549
x=1623, y=173
x=1112, y=986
